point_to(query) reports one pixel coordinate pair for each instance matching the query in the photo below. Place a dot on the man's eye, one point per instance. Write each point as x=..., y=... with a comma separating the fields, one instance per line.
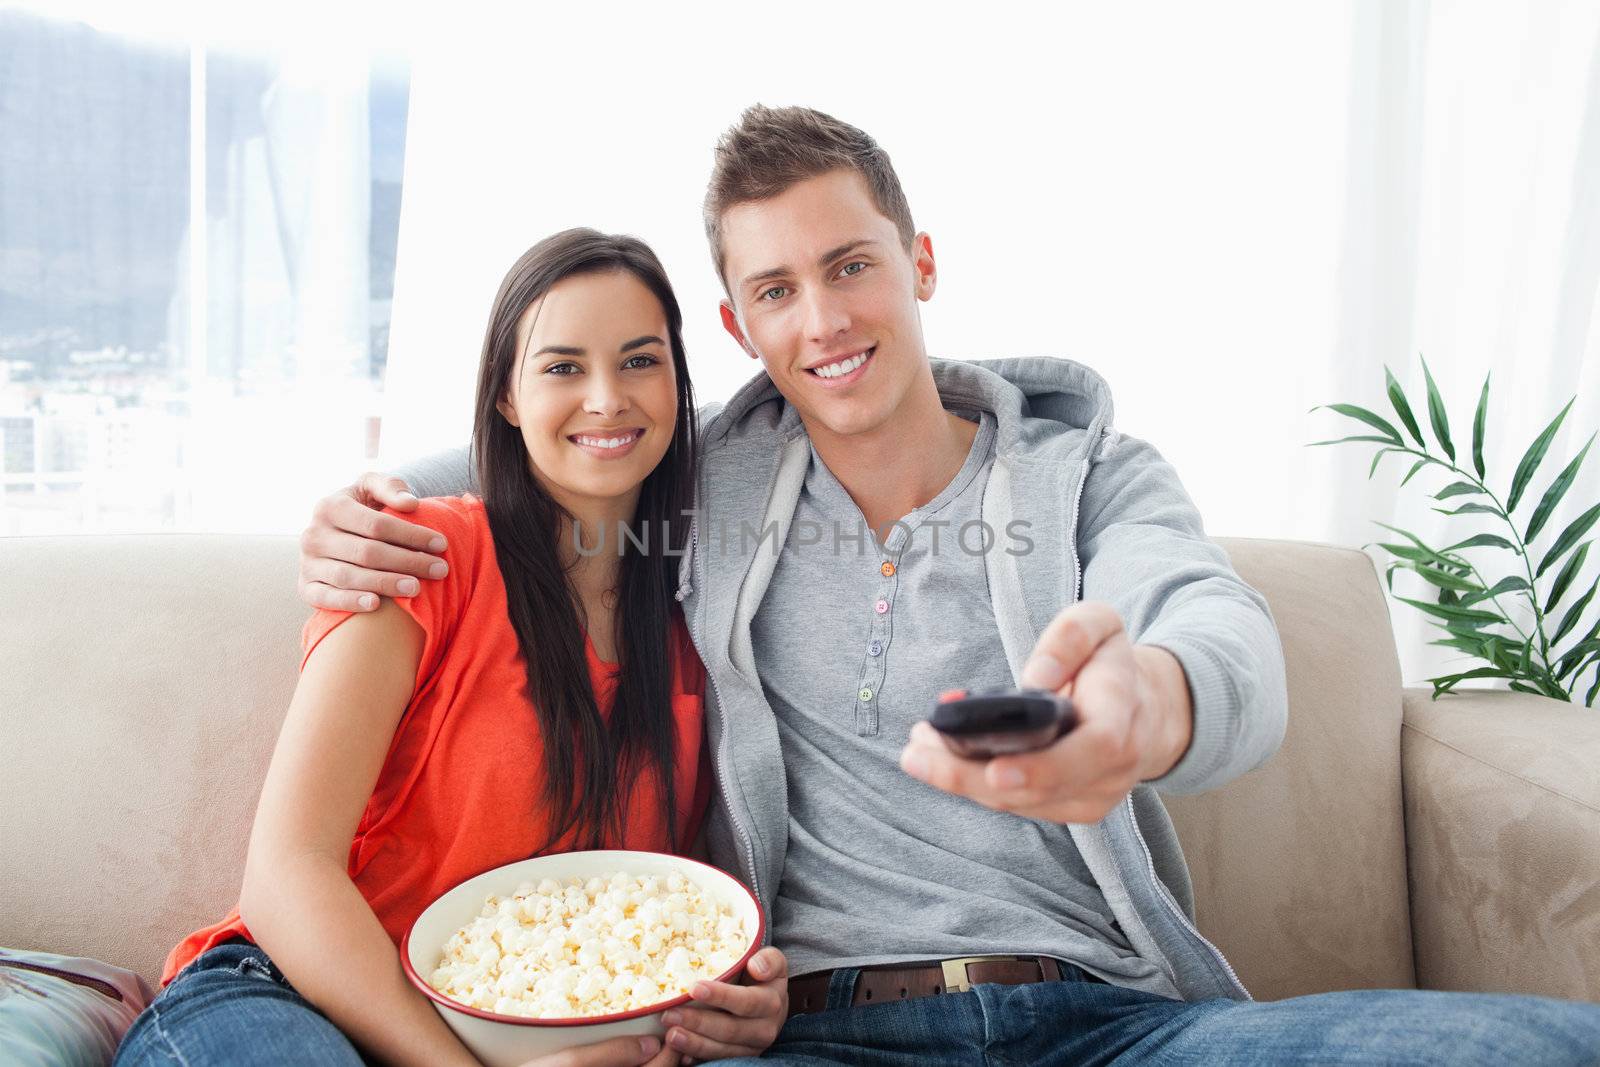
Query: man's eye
x=779, y=290
x=853, y=268
x=648, y=361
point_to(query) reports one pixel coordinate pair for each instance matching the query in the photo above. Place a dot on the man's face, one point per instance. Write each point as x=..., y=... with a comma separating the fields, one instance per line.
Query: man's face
x=824, y=292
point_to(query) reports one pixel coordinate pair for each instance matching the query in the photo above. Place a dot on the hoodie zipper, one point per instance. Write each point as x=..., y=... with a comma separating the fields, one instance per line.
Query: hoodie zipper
x=711, y=679
x=1172, y=905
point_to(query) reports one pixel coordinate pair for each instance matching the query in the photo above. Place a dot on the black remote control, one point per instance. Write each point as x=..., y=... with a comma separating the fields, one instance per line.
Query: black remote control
x=995, y=722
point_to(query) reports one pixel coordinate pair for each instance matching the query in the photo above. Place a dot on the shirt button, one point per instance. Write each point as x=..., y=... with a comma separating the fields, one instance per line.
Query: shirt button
x=866, y=694
x=887, y=569
x=881, y=607
x=875, y=649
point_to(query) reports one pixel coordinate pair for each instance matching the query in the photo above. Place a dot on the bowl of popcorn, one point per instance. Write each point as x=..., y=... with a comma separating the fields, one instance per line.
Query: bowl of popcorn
x=569, y=949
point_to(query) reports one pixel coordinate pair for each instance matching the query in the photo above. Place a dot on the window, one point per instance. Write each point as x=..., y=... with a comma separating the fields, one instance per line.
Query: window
x=153, y=379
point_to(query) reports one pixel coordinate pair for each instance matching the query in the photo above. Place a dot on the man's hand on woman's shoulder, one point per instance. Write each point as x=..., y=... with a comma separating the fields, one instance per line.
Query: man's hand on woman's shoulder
x=352, y=553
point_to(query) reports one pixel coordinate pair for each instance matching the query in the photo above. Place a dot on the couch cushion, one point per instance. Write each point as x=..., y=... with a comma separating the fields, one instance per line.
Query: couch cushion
x=65, y=1011
x=142, y=682
x=1299, y=867
x=1503, y=816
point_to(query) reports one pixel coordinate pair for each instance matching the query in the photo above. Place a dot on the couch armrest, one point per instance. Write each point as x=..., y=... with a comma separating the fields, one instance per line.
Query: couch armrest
x=1502, y=808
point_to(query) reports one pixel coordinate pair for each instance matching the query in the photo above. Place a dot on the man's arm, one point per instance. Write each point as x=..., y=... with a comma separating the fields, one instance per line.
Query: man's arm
x=351, y=554
x=447, y=473
x=1146, y=554
x=1199, y=700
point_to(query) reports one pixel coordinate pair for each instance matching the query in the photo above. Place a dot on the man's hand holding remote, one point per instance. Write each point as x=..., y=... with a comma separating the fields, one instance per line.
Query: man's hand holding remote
x=1135, y=722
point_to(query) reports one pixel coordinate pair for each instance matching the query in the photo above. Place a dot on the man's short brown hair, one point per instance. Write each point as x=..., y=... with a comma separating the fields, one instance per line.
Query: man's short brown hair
x=772, y=148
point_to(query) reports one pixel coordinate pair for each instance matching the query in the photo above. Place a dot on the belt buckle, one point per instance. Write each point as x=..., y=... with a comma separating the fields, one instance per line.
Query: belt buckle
x=955, y=971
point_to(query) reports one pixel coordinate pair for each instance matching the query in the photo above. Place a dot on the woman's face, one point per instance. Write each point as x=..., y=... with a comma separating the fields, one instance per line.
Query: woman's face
x=593, y=389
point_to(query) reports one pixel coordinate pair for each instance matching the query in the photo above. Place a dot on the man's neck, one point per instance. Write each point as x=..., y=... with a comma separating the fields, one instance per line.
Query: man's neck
x=903, y=464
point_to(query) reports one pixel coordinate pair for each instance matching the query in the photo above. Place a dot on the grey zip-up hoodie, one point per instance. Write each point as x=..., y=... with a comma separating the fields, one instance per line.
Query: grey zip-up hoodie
x=1108, y=520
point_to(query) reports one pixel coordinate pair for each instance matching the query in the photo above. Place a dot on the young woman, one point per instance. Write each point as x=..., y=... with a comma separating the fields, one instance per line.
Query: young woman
x=542, y=697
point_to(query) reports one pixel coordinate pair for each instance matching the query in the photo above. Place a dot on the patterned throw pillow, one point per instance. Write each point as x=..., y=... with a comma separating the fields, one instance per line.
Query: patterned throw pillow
x=65, y=1010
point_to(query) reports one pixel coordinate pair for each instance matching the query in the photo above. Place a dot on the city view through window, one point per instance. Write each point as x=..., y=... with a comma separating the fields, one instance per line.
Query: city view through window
x=197, y=254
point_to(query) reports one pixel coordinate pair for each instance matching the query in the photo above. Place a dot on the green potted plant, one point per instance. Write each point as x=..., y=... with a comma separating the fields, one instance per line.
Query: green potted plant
x=1467, y=605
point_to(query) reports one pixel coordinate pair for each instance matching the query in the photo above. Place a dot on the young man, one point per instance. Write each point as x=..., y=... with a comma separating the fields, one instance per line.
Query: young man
x=1033, y=908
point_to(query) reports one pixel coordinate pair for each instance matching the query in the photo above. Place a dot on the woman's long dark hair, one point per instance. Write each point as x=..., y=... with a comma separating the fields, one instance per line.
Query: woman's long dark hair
x=591, y=766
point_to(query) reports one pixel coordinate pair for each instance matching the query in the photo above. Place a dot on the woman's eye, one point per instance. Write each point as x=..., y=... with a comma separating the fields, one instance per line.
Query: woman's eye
x=643, y=361
x=777, y=292
x=554, y=368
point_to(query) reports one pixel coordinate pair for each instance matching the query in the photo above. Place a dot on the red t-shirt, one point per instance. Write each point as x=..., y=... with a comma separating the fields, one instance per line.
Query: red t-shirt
x=460, y=791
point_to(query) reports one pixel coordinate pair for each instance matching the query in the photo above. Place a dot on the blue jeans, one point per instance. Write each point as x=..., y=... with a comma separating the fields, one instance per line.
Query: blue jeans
x=232, y=1006
x=1085, y=1021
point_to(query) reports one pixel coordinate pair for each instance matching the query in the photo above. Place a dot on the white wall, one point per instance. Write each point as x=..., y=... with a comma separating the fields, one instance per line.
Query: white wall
x=1152, y=189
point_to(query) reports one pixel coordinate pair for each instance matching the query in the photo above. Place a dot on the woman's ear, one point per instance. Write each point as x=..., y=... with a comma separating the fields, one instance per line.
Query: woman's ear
x=506, y=410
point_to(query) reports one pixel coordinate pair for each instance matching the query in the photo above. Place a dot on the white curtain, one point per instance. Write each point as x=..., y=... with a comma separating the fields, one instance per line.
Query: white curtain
x=1233, y=211
x=1472, y=238
x=287, y=390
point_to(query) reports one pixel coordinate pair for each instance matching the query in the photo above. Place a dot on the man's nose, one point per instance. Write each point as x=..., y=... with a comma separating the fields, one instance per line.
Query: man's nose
x=826, y=316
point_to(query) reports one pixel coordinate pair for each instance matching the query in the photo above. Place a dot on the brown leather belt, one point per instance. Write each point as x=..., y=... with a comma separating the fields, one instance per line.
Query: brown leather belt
x=907, y=981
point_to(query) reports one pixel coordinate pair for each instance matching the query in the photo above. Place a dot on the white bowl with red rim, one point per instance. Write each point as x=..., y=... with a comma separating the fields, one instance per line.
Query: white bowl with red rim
x=511, y=1040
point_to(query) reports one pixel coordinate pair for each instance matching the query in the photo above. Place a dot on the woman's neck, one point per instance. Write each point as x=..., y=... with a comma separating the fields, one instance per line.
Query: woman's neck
x=590, y=544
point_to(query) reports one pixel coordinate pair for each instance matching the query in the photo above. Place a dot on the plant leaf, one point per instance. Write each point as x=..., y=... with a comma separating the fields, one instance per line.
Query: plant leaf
x=1457, y=489
x=1530, y=459
x=1569, y=571
x=1419, y=555
x=1374, y=438
x=1477, y=427
x=1477, y=672
x=1530, y=690
x=1568, y=538
x=1412, y=473
x=1549, y=689
x=1465, y=644
x=1574, y=613
x=1499, y=652
x=1473, y=509
x=1485, y=540
x=1552, y=496
x=1437, y=415
x=1512, y=584
x=1433, y=554
x=1588, y=701
x=1375, y=459
x=1397, y=397
x=1371, y=418
x=1448, y=580
x=1573, y=659
x=1445, y=611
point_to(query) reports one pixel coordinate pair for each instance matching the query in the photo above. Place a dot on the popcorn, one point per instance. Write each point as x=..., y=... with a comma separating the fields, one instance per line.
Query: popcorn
x=588, y=947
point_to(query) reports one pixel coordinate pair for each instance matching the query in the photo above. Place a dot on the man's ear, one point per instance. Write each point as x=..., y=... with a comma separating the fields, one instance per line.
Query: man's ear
x=730, y=322
x=922, y=266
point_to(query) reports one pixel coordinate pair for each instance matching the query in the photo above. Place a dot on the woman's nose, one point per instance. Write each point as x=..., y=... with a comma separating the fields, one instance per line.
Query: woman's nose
x=606, y=396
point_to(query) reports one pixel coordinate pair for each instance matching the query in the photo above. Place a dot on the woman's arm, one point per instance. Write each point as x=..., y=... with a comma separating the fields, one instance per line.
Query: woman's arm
x=298, y=900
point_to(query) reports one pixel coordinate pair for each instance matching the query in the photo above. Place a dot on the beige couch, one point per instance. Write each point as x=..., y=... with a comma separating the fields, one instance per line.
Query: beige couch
x=1392, y=842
